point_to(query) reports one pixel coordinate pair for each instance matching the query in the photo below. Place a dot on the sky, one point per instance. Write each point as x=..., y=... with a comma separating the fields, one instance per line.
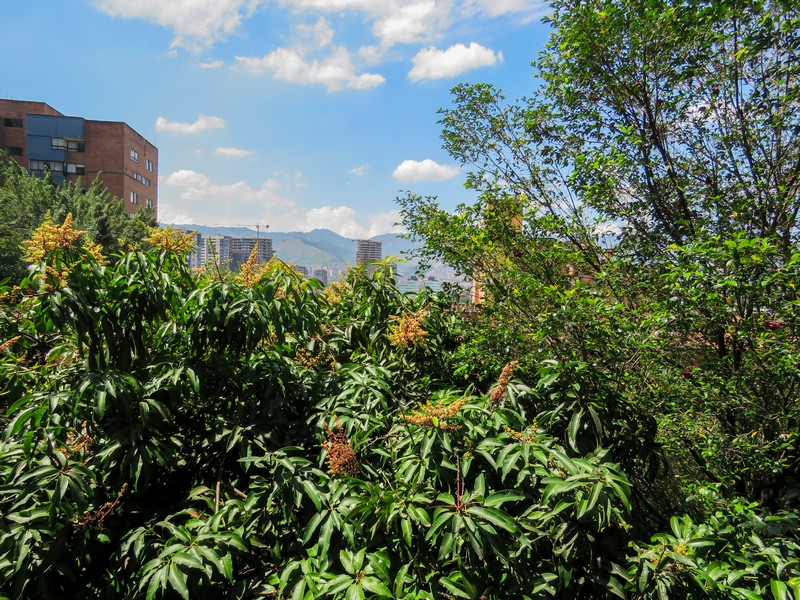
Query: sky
x=287, y=114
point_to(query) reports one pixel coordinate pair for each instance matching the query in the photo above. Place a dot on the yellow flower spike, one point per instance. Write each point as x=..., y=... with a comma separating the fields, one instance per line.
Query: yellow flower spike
x=407, y=330
x=250, y=271
x=96, y=250
x=168, y=238
x=48, y=237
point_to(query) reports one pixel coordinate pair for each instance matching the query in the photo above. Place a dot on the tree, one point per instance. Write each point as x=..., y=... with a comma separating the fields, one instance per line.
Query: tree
x=25, y=201
x=658, y=170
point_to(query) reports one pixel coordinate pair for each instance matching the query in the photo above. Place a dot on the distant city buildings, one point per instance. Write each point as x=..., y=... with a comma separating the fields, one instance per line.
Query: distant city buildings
x=322, y=275
x=368, y=251
x=42, y=139
x=228, y=251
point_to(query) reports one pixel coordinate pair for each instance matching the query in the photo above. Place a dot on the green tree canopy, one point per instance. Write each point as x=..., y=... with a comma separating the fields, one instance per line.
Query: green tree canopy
x=25, y=202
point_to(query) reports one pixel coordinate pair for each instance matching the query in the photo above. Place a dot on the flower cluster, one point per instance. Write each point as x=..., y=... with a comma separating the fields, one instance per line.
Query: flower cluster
x=8, y=343
x=46, y=242
x=96, y=520
x=407, y=330
x=170, y=239
x=49, y=237
x=275, y=267
x=251, y=271
x=432, y=415
x=526, y=436
x=77, y=442
x=499, y=391
x=336, y=291
x=341, y=459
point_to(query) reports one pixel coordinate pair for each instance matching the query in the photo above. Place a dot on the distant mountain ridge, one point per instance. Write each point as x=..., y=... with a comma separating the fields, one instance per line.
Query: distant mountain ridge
x=316, y=247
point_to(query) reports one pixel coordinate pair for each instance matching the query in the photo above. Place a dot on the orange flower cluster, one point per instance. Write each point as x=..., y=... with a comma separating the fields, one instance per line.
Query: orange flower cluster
x=308, y=359
x=526, y=436
x=275, y=266
x=8, y=343
x=96, y=520
x=430, y=415
x=77, y=442
x=341, y=459
x=170, y=239
x=499, y=391
x=336, y=291
x=48, y=237
x=407, y=330
x=251, y=271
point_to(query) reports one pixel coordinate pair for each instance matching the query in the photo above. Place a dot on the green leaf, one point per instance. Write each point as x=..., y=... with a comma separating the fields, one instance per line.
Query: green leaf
x=779, y=590
x=338, y=584
x=498, y=498
x=405, y=526
x=438, y=522
x=494, y=516
x=354, y=592
x=177, y=580
x=399, y=580
x=376, y=586
x=346, y=558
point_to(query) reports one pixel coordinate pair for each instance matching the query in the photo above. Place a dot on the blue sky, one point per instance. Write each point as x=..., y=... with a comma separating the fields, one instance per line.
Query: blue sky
x=295, y=114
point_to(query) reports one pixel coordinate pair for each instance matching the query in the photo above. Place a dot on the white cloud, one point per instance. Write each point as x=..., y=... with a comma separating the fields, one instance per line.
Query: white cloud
x=334, y=72
x=359, y=171
x=186, y=178
x=199, y=24
x=432, y=63
x=203, y=123
x=196, y=23
x=211, y=64
x=387, y=222
x=234, y=152
x=187, y=193
x=341, y=219
x=525, y=10
x=425, y=170
x=320, y=34
x=190, y=197
x=413, y=22
x=393, y=21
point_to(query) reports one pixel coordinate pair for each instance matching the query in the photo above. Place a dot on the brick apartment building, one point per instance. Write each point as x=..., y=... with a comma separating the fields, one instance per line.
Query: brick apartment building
x=73, y=148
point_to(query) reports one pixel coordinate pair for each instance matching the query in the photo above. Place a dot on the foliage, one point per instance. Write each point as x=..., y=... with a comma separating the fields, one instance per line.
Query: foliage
x=27, y=201
x=618, y=418
x=636, y=228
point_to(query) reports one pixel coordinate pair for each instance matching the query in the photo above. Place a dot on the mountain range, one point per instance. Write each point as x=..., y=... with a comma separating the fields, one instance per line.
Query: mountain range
x=317, y=247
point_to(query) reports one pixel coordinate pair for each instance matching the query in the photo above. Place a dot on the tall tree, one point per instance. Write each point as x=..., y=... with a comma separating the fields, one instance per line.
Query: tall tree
x=25, y=201
x=657, y=170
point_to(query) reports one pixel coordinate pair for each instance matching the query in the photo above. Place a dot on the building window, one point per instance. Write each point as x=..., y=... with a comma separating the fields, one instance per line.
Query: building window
x=12, y=122
x=134, y=198
x=134, y=155
x=40, y=166
x=14, y=150
x=76, y=169
x=150, y=165
x=148, y=203
x=68, y=145
x=142, y=180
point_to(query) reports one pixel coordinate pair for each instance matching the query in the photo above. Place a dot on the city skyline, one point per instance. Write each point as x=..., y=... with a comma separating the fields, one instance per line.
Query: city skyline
x=297, y=115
